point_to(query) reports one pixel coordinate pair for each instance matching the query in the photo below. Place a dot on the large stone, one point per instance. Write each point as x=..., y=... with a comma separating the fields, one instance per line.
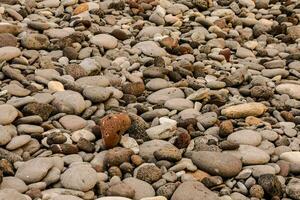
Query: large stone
x=97, y=94
x=69, y=102
x=244, y=110
x=105, y=40
x=142, y=188
x=293, y=188
x=79, y=177
x=178, y=104
x=11, y=194
x=294, y=32
x=195, y=191
x=72, y=122
x=8, y=39
x=8, y=53
x=148, y=148
x=150, y=48
x=100, y=81
x=34, y=170
x=248, y=137
x=13, y=183
x=293, y=157
x=217, y=163
x=250, y=155
x=8, y=114
x=35, y=41
x=290, y=89
x=161, y=96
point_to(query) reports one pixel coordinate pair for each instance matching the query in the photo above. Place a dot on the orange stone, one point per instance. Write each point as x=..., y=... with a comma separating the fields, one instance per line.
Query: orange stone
x=252, y=120
x=81, y=8
x=199, y=175
x=112, y=127
x=169, y=42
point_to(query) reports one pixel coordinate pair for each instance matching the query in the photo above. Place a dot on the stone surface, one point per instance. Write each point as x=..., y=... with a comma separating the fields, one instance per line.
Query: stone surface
x=244, y=110
x=216, y=163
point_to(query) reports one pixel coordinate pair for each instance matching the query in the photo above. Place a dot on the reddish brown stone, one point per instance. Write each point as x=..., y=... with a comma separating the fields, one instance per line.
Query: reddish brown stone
x=226, y=128
x=81, y=8
x=226, y=53
x=183, y=140
x=135, y=89
x=169, y=42
x=112, y=127
x=287, y=116
x=137, y=160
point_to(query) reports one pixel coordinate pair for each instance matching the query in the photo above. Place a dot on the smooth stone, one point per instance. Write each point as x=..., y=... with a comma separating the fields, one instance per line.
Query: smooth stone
x=290, y=89
x=293, y=157
x=242, y=52
x=142, y=188
x=157, y=84
x=178, y=104
x=18, y=141
x=8, y=114
x=59, y=33
x=69, y=102
x=247, y=137
x=79, y=177
x=150, y=48
x=66, y=197
x=35, y=41
x=5, y=136
x=293, y=188
x=97, y=94
x=13, y=183
x=250, y=155
x=105, y=40
x=8, y=53
x=258, y=170
x=217, y=163
x=161, y=96
x=34, y=170
x=162, y=131
x=72, y=122
x=16, y=90
x=11, y=194
x=100, y=81
x=113, y=198
x=244, y=110
x=76, y=135
x=196, y=190
x=148, y=148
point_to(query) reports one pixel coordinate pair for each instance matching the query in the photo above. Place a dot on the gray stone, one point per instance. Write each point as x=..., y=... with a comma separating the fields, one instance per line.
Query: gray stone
x=97, y=94
x=196, y=190
x=142, y=188
x=248, y=137
x=217, y=163
x=150, y=48
x=161, y=96
x=69, y=102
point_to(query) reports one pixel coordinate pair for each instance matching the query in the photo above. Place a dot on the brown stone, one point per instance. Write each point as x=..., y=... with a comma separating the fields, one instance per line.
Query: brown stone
x=85, y=145
x=8, y=39
x=226, y=53
x=135, y=89
x=117, y=156
x=43, y=110
x=226, y=128
x=288, y=116
x=199, y=175
x=64, y=148
x=137, y=160
x=112, y=127
x=253, y=121
x=70, y=53
x=183, y=140
x=169, y=42
x=34, y=193
x=114, y=171
x=120, y=34
x=75, y=70
x=6, y=167
x=257, y=191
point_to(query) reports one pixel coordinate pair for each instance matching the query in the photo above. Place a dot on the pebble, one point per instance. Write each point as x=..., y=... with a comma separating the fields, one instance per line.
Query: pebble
x=247, y=137
x=104, y=40
x=161, y=96
x=142, y=189
x=8, y=53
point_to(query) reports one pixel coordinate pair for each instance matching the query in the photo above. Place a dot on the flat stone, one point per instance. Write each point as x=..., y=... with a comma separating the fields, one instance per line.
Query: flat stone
x=5, y=136
x=293, y=157
x=244, y=110
x=34, y=170
x=79, y=177
x=178, y=104
x=290, y=89
x=8, y=53
x=248, y=137
x=293, y=188
x=13, y=183
x=72, y=122
x=217, y=163
x=18, y=141
x=105, y=40
x=11, y=194
x=16, y=90
x=148, y=148
x=161, y=96
x=100, y=81
x=150, y=48
x=97, y=94
x=35, y=41
x=8, y=39
x=69, y=102
x=142, y=188
x=196, y=190
x=8, y=114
